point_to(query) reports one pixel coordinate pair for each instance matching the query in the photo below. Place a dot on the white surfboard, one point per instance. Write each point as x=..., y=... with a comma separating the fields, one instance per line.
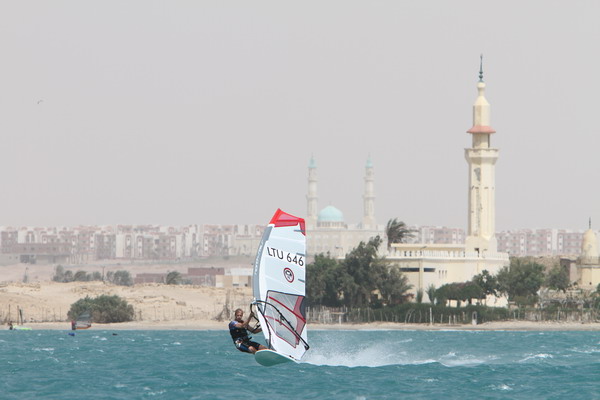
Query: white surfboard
x=268, y=358
x=279, y=288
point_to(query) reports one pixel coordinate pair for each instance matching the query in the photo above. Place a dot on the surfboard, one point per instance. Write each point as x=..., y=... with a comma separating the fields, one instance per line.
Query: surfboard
x=278, y=285
x=268, y=358
x=21, y=328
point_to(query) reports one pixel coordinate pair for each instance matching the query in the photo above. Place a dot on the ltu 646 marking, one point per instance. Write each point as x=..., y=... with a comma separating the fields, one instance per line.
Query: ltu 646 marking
x=284, y=255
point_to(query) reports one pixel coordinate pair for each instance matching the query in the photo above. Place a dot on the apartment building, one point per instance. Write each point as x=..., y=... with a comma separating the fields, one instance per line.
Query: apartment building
x=540, y=242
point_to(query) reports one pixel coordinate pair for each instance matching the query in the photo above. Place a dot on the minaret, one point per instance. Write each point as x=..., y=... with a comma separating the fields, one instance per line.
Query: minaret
x=368, y=221
x=589, y=247
x=482, y=159
x=311, y=198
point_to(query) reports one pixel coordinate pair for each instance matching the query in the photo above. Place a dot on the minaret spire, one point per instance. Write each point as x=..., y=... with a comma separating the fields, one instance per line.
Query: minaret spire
x=481, y=128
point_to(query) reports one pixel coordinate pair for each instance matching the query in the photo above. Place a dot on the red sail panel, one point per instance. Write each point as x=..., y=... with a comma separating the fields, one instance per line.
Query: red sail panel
x=282, y=218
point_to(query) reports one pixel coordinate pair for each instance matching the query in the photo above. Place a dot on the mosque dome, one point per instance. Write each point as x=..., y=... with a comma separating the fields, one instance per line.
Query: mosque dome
x=589, y=247
x=330, y=214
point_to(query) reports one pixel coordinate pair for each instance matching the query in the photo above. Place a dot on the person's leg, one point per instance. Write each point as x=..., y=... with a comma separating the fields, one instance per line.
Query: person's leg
x=243, y=347
x=256, y=346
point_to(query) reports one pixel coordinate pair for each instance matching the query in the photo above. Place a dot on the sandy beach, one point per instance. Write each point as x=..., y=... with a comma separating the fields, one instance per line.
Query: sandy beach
x=181, y=307
x=47, y=303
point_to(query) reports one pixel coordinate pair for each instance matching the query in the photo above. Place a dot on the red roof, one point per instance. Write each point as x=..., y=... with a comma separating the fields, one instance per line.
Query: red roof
x=481, y=129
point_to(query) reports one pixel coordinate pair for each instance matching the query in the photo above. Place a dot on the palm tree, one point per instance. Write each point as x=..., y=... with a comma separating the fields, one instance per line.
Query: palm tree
x=420, y=296
x=174, y=278
x=431, y=293
x=397, y=232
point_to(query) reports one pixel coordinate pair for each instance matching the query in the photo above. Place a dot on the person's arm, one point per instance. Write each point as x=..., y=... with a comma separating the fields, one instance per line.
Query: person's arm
x=241, y=325
x=245, y=323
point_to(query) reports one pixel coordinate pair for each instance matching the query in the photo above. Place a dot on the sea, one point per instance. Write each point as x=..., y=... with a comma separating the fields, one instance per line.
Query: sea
x=378, y=364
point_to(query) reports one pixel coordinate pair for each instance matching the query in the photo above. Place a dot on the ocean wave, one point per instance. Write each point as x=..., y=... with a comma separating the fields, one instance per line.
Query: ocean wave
x=536, y=356
x=502, y=387
x=49, y=349
x=587, y=350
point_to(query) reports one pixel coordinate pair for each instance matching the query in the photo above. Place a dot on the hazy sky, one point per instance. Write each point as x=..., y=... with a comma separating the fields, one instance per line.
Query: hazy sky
x=184, y=112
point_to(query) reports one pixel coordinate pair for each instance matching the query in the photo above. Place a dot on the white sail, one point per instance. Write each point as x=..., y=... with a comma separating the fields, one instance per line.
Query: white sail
x=83, y=321
x=279, y=285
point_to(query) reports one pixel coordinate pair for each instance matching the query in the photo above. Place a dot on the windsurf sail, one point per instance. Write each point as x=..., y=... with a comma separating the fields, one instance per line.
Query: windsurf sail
x=83, y=321
x=21, y=322
x=279, y=281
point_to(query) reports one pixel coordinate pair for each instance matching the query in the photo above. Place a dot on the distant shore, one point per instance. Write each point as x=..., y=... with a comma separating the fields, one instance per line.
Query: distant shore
x=187, y=307
x=199, y=325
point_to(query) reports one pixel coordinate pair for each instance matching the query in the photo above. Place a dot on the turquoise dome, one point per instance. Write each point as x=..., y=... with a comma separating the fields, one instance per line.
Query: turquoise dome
x=330, y=214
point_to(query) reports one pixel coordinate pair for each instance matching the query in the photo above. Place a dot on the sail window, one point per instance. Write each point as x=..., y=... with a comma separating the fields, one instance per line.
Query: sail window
x=286, y=315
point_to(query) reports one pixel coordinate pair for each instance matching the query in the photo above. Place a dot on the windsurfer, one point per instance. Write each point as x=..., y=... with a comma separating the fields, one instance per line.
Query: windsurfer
x=10, y=326
x=238, y=328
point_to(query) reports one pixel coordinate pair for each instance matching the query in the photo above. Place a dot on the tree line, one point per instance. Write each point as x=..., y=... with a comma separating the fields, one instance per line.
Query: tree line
x=361, y=279
x=520, y=282
x=120, y=277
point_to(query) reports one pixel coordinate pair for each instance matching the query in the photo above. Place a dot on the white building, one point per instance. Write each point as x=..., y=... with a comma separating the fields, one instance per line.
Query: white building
x=436, y=234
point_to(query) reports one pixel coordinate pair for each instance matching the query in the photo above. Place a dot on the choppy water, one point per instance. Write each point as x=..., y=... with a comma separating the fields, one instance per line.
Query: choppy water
x=340, y=365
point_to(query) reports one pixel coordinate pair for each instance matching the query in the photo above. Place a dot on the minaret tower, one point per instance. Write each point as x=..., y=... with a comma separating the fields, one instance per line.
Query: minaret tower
x=482, y=159
x=589, y=247
x=311, y=198
x=368, y=221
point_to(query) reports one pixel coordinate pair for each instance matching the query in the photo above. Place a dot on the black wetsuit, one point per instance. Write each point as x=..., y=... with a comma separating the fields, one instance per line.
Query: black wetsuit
x=240, y=337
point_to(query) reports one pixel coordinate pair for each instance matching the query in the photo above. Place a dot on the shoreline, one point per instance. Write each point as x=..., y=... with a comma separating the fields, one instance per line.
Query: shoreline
x=204, y=325
x=176, y=307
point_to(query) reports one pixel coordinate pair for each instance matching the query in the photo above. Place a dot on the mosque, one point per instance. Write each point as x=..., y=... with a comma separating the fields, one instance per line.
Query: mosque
x=425, y=264
x=328, y=233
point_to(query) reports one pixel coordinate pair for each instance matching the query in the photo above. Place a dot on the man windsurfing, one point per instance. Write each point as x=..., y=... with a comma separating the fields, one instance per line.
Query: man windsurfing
x=239, y=330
